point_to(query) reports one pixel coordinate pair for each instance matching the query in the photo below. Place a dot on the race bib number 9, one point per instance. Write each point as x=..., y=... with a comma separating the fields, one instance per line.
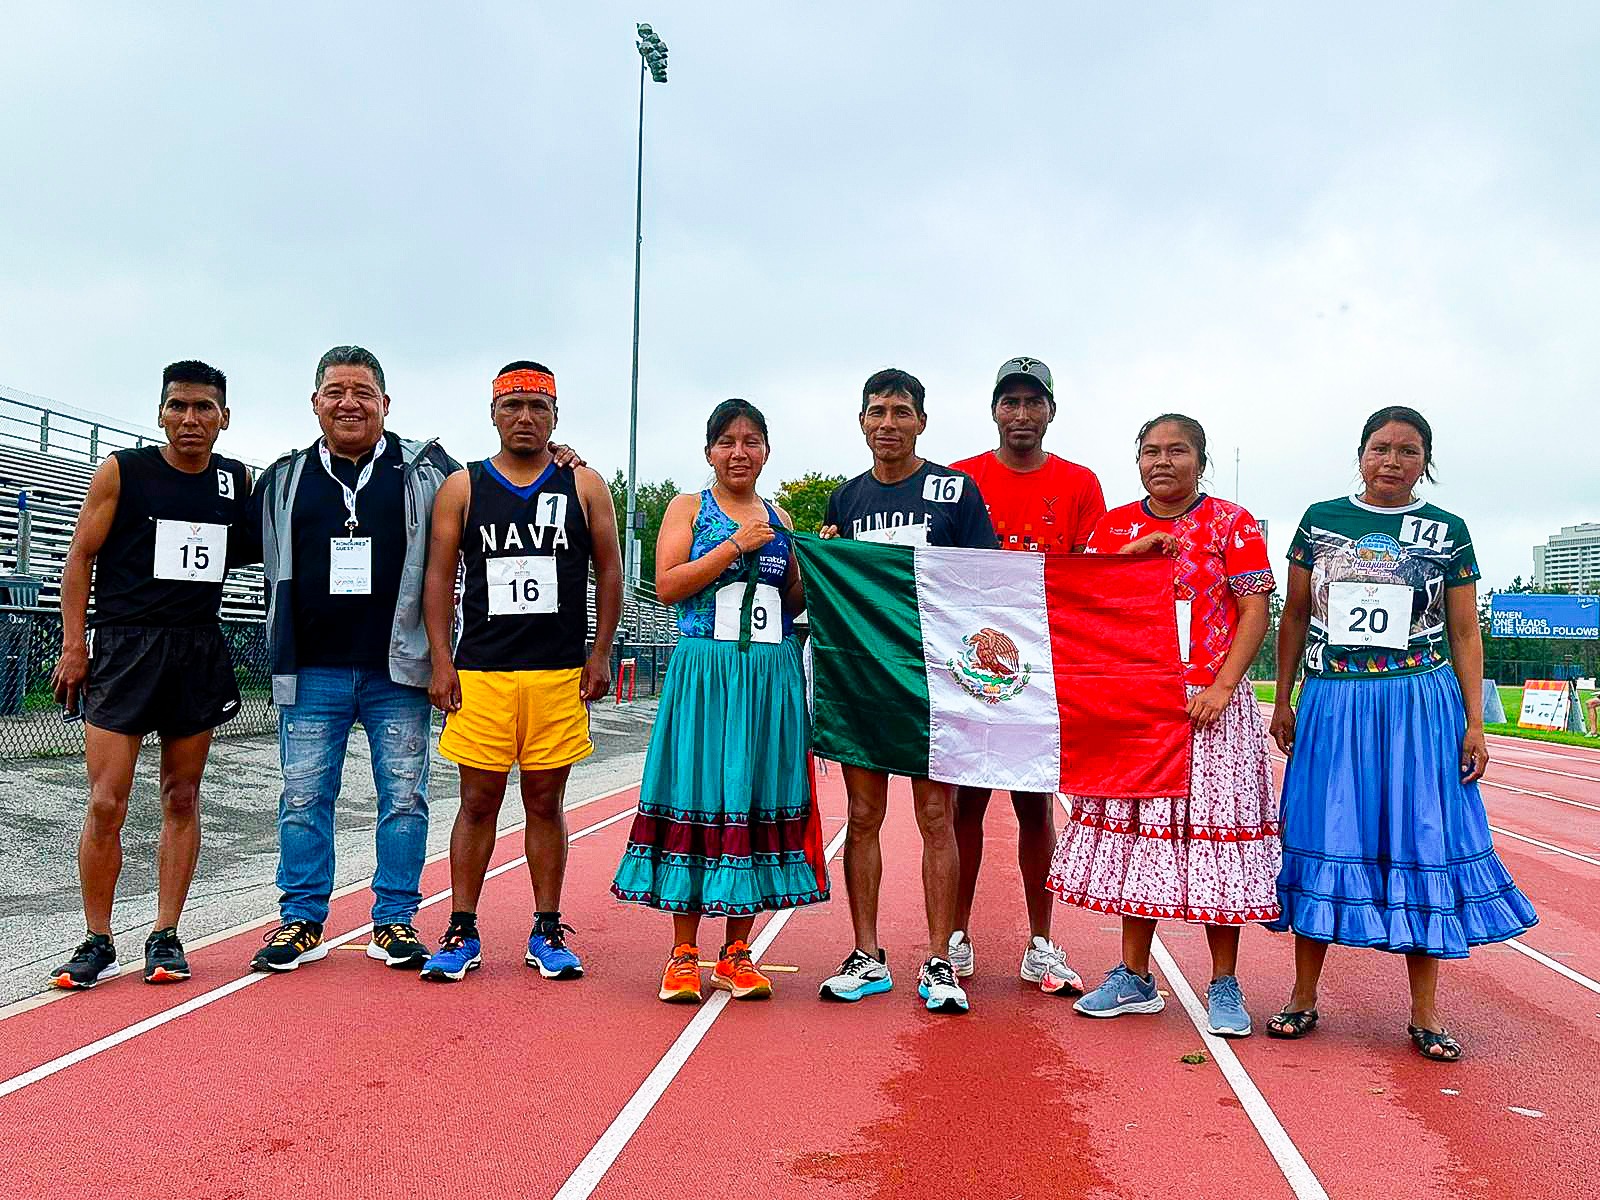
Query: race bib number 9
x=766, y=614
x=1369, y=614
x=518, y=586
x=943, y=489
x=191, y=550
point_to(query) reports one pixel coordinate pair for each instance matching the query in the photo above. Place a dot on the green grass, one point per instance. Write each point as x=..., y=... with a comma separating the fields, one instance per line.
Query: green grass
x=1511, y=697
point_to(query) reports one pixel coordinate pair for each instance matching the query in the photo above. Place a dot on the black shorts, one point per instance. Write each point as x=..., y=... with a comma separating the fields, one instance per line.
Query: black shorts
x=175, y=682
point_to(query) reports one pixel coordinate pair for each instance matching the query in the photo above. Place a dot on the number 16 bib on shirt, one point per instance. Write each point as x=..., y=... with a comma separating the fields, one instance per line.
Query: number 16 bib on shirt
x=525, y=553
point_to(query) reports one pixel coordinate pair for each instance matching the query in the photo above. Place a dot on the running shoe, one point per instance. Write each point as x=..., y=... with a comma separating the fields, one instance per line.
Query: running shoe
x=1045, y=963
x=736, y=973
x=397, y=945
x=289, y=945
x=163, y=957
x=94, y=960
x=938, y=987
x=859, y=975
x=680, y=984
x=1225, y=1011
x=962, y=959
x=547, y=950
x=1122, y=992
x=459, y=951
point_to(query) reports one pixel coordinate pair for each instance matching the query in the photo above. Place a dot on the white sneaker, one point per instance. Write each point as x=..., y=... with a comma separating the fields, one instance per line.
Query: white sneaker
x=962, y=960
x=1045, y=963
x=939, y=989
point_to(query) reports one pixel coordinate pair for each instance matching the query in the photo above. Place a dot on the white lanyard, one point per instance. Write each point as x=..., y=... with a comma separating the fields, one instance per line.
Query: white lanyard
x=365, y=477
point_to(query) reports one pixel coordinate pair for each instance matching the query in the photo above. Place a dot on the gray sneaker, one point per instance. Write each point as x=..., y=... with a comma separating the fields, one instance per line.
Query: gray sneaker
x=1225, y=1012
x=859, y=975
x=962, y=958
x=1122, y=992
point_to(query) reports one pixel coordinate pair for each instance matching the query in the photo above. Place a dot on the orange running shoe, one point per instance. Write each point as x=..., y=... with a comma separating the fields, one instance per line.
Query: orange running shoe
x=735, y=973
x=681, y=982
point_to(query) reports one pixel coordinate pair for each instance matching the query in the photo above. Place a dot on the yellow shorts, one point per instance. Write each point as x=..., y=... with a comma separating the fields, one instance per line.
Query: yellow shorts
x=535, y=719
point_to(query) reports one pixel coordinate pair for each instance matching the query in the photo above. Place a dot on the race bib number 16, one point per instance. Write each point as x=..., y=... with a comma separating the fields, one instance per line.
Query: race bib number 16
x=519, y=585
x=943, y=489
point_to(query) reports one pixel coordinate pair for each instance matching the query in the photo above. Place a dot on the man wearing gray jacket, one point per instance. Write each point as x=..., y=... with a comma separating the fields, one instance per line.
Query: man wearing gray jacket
x=342, y=529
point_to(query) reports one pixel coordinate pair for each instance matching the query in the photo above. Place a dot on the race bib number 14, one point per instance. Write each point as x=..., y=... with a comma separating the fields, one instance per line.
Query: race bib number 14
x=1369, y=614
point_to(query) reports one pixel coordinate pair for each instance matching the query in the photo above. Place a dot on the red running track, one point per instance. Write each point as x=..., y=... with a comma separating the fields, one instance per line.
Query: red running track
x=345, y=1079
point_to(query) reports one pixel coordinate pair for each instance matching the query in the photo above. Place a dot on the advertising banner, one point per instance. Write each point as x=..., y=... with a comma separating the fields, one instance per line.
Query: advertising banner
x=1516, y=615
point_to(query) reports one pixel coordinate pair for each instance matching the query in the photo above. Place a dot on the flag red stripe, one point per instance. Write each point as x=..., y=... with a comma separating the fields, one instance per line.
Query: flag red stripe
x=1119, y=683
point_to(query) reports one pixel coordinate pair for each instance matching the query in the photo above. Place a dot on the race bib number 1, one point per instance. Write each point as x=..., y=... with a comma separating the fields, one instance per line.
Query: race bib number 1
x=521, y=585
x=1369, y=614
x=766, y=614
x=191, y=550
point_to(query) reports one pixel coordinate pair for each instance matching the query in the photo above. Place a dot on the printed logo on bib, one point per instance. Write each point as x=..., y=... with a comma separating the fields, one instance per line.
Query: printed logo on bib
x=943, y=489
x=766, y=614
x=225, y=484
x=521, y=585
x=550, y=510
x=1419, y=531
x=1369, y=614
x=191, y=550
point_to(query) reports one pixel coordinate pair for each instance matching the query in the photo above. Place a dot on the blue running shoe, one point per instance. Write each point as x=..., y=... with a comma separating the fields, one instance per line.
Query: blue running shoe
x=1122, y=992
x=547, y=950
x=938, y=987
x=859, y=975
x=458, y=953
x=1225, y=1012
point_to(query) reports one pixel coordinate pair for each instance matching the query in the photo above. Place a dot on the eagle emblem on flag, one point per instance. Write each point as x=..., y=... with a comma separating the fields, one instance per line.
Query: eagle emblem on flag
x=989, y=666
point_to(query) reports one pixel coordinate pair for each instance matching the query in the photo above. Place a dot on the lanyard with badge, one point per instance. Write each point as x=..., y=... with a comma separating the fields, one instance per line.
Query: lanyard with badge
x=350, y=557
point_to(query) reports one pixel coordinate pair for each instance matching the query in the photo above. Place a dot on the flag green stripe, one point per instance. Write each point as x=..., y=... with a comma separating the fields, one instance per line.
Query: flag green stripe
x=869, y=679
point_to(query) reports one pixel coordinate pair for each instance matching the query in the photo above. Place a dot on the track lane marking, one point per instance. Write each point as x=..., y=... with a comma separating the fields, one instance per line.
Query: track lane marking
x=1506, y=787
x=53, y=994
x=1302, y=1180
x=17, y=1082
x=1554, y=849
x=588, y=1173
x=1558, y=967
x=1512, y=765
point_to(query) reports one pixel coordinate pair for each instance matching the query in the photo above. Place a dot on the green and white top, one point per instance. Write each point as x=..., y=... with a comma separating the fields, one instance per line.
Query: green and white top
x=1378, y=581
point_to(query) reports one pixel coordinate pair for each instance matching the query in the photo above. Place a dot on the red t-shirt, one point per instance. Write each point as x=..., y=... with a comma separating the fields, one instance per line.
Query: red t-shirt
x=1053, y=508
x=1223, y=556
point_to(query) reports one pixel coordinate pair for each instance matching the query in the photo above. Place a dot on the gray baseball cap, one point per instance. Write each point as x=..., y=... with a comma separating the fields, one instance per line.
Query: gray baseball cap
x=1024, y=368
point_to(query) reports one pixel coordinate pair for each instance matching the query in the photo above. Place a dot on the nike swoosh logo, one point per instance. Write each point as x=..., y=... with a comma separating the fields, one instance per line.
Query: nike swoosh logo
x=230, y=704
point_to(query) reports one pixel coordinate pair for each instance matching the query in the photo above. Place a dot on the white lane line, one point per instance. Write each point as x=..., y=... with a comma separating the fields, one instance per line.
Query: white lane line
x=1301, y=1178
x=54, y=994
x=1558, y=750
x=1506, y=787
x=17, y=1082
x=1583, y=858
x=1558, y=967
x=588, y=1174
x=1512, y=765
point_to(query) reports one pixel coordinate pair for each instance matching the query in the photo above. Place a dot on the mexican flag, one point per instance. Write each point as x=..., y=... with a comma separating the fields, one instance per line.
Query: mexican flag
x=1000, y=669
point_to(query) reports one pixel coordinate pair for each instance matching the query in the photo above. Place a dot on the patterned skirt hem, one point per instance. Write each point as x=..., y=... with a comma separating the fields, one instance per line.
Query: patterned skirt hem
x=719, y=908
x=1167, y=912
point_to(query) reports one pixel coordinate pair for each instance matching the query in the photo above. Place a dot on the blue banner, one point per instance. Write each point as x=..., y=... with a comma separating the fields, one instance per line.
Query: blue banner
x=1514, y=615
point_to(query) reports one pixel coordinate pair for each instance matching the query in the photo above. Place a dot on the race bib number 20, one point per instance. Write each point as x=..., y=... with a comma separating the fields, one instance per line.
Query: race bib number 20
x=1369, y=614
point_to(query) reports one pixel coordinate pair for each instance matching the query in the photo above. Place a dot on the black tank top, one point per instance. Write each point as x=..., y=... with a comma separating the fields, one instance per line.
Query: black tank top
x=526, y=552
x=164, y=560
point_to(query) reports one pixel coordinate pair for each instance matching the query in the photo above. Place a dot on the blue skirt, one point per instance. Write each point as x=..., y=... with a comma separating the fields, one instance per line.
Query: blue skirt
x=1383, y=845
x=727, y=819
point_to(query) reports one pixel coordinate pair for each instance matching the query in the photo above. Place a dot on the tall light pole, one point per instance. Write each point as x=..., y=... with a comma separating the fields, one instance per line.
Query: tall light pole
x=652, y=60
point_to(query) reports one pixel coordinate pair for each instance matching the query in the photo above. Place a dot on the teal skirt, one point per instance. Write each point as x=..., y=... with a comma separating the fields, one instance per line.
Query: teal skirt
x=727, y=819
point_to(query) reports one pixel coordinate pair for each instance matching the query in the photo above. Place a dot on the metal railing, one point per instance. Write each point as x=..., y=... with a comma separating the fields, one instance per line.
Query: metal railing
x=36, y=423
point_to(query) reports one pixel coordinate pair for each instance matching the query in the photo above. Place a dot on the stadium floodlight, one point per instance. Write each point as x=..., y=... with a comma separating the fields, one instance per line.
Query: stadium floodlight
x=652, y=59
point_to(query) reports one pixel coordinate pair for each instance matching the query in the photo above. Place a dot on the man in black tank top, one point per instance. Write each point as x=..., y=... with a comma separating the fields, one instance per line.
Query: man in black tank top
x=525, y=532
x=153, y=533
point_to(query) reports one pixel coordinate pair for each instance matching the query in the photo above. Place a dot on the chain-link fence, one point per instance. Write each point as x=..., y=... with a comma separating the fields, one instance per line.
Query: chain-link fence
x=31, y=724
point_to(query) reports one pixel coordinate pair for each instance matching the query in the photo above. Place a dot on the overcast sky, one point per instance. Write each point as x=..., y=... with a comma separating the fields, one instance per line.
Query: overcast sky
x=1273, y=217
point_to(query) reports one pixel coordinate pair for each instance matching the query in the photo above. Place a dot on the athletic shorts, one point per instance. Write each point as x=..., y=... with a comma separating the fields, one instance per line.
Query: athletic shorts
x=535, y=719
x=175, y=682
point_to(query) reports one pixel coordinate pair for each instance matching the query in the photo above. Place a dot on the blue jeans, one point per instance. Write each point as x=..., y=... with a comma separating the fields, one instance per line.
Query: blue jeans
x=312, y=736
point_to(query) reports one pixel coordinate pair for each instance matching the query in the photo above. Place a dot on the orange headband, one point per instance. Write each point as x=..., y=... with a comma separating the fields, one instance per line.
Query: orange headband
x=525, y=381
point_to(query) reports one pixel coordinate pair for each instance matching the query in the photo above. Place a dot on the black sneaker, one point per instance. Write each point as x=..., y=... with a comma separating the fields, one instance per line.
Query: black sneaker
x=289, y=945
x=94, y=960
x=397, y=946
x=163, y=957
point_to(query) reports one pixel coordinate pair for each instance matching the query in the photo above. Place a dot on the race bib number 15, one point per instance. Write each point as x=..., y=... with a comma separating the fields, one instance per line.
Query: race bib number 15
x=191, y=550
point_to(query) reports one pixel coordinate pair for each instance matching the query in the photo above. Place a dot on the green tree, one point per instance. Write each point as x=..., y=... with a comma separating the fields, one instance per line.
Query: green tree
x=650, y=503
x=806, y=499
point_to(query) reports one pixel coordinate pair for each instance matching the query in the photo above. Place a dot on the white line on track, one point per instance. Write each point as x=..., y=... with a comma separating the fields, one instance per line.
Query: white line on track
x=1506, y=787
x=1297, y=1172
x=54, y=994
x=1583, y=858
x=1558, y=967
x=588, y=1174
x=1512, y=765
x=17, y=1082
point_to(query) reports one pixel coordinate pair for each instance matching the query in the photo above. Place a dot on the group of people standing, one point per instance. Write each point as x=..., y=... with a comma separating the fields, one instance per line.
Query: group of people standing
x=1379, y=839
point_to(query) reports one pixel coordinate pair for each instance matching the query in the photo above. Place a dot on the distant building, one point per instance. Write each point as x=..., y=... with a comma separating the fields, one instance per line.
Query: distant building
x=1570, y=559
